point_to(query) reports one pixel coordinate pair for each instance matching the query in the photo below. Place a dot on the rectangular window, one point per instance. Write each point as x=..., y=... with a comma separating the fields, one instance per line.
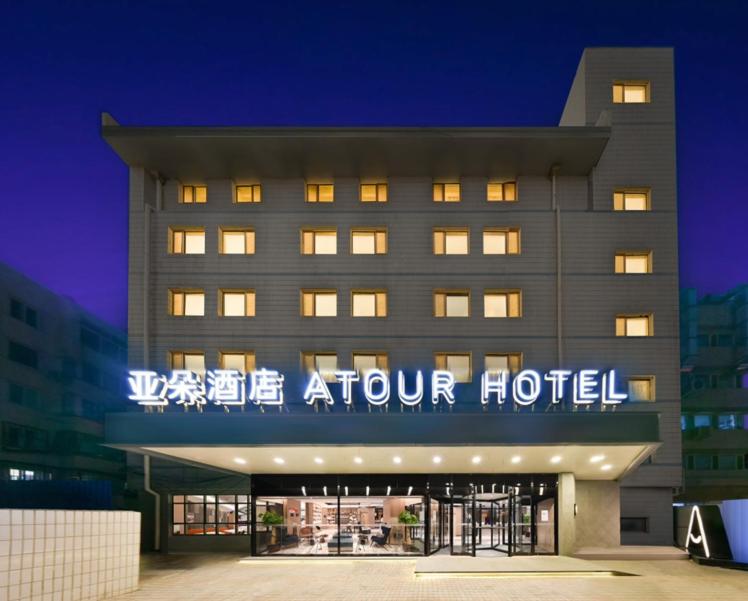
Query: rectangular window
x=633, y=262
x=373, y=192
x=186, y=241
x=319, y=303
x=506, y=362
x=194, y=194
x=501, y=192
x=642, y=388
x=727, y=462
x=502, y=303
x=364, y=362
x=452, y=303
x=727, y=421
x=199, y=514
x=634, y=325
x=451, y=241
x=702, y=421
x=369, y=303
x=446, y=192
x=631, y=200
x=191, y=360
x=501, y=241
x=20, y=353
x=635, y=525
x=188, y=303
x=320, y=193
x=457, y=363
x=16, y=309
x=236, y=303
x=325, y=363
x=631, y=92
x=236, y=241
x=243, y=361
x=319, y=241
x=369, y=241
x=251, y=193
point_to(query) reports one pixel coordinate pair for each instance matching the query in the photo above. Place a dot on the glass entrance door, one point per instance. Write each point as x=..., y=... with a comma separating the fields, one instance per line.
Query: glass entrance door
x=462, y=530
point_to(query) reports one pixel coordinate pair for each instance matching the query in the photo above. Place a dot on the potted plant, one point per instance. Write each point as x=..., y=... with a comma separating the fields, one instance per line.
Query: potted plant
x=408, y=518
x=271, y=519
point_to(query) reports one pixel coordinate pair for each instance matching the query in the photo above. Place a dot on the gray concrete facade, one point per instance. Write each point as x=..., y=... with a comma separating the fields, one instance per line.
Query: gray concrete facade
x=570, y=233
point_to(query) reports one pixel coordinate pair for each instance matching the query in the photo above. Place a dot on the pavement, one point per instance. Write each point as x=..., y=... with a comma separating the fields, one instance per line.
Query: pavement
x=226, y=578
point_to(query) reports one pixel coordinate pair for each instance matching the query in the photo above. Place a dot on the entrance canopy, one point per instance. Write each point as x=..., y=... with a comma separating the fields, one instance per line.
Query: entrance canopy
x=593, y=446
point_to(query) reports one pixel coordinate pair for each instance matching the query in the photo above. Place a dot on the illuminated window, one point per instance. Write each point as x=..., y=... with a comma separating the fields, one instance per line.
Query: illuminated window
x=631, y=200
x=369, y=241
x=373, y=192
x=631, y=92
x=193, y=361
x=194, y=194
x=186, y=303
x=319, y=193
x=319, y=241
x=501, y=192
x=364, y=362
x=502, y=303
x=451, y=241
x=251, y=193
x=633, y=262
x=457, y=363
x=319, y=303
x=186, y=241
x=507, y=362
x=236, y=303
x=452, y=303
x=236, y=241
x=634, y=325
x=369, y=303
x=325, y=363
x=446, y=192
x=210, y=514
x=243, y=361
x=501, y=241
x=642, y=388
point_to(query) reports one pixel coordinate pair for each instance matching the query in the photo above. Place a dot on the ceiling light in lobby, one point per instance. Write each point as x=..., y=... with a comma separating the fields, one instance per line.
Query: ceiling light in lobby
x=319, y=460
x=240, y=461
x=397, y=459
x=279, y=460
x=597, y=458
x=516, y=459
x=606, y=467
x=556, y=459
x=358, y=460
x=437, y=459
x=477, y=459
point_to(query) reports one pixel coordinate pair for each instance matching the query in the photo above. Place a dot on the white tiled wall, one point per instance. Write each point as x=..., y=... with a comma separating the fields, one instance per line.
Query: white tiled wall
x=61, y=555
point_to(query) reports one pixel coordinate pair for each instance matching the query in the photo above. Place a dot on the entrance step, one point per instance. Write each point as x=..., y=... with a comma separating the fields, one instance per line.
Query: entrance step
x=638, y=552
x=450, y=566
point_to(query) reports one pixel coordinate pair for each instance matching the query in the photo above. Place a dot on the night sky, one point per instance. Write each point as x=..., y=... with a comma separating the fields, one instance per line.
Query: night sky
x=64, y=192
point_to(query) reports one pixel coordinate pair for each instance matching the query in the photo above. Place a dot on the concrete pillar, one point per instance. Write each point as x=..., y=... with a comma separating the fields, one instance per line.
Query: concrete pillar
x=566, y=518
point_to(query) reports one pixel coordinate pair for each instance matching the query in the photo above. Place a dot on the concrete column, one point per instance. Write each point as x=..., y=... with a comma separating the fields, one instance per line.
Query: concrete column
x=566, y=518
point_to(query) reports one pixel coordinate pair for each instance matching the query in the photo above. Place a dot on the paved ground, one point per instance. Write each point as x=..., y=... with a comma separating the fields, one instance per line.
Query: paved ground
x=223, y=578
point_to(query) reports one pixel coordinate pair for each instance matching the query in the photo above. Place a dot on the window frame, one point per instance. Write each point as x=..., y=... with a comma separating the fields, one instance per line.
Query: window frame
x=247, y=356
x=256, y=192
x=463, y=292
x=174, y=292
x=619, y=95
x=619, y=199
x=183, y=230
x=626, y=316
x=309, y=187
x=173, y=354
x=619, y=261
x=444, y=232
x=313, y=231
x=652, y=388
x=377, y=231
x=508, y=232
x=508, y=292
x=249, y=233
x=505, y=185
x=378, y=187
x=516, y=357
x=314, y=292
x=194, y=189
x=384, y=364
x=304, y=355
x=214, y=525
x=249, y=293
x=442, y=187
x=376, y=292
x=446, y=354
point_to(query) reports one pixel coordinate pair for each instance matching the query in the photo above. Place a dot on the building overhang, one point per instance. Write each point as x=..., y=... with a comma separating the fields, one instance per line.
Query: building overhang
x=253, y=153
x=581, y=443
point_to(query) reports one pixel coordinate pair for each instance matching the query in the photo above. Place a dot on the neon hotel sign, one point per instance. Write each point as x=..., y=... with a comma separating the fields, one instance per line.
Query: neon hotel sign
x=229, y=387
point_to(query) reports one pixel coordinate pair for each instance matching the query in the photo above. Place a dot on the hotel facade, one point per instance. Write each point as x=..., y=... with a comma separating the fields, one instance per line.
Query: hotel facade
x=406, y=341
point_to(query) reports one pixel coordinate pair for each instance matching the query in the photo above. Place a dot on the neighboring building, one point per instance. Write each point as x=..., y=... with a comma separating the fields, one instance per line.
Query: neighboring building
x=61, y=369
x=314, y=250
x=714, y=382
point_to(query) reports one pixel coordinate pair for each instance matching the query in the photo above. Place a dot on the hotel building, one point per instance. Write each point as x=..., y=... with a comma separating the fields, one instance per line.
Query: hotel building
x=507, y=250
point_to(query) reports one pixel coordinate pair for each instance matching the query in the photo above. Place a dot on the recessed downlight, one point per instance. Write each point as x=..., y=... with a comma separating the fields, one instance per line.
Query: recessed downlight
x=606, y=467
x=437, y=459
x=597, y=458
x=397, y=459
x=279, y=460
x=516, y=459
x=319, y=460
x=476, y=459
x=240, y=461
x=358, y=460
x=556, y=459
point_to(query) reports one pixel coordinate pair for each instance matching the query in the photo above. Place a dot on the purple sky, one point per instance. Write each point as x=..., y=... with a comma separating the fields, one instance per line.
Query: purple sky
x=64, y=214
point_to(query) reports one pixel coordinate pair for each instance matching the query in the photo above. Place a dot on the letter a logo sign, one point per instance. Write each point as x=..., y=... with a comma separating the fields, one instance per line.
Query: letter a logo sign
x=697, y=538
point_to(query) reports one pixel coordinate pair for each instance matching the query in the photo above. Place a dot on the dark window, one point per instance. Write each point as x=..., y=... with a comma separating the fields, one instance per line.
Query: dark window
x=89, y=339
x=20, y=438
x=22, y=395
x=31, y=317
x=90, y=374
x=727, y=462
x=20, y=353
x=635, y=525
x=702, y=462
x=16, y=309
